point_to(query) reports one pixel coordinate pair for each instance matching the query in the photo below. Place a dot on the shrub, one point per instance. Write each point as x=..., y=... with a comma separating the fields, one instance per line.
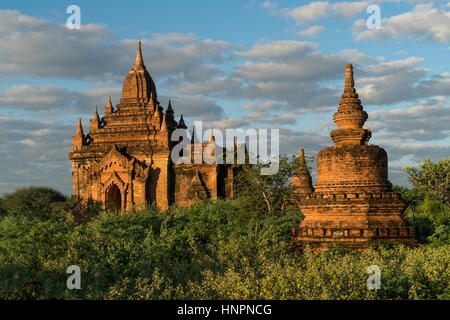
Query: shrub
x=207, y=251
x=32, y=200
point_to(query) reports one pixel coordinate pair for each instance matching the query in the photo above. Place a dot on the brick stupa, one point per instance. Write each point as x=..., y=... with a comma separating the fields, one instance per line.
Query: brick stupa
x=352, y=202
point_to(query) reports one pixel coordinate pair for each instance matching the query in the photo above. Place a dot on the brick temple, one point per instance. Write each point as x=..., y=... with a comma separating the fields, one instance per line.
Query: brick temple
x=124, y=161
x=352, y=202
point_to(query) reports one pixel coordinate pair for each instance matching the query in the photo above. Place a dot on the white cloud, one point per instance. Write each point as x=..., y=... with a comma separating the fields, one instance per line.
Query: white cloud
x=424, y=22
x=312, y=31
x=323, y=9
x=44, y=49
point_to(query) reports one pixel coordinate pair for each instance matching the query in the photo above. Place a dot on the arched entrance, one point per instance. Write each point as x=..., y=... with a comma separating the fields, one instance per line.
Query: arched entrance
x=113, y=198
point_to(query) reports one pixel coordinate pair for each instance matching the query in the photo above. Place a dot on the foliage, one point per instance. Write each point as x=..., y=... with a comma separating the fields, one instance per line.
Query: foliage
x=432, y=178
x=32, y=200
x=428, y=203
x=431, y=219
x=210, y=250
x=266, y=194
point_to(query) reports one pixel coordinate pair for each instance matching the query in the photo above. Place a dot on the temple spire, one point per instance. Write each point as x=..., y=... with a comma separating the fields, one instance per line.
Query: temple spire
x=95, y=121
x=194, y=136
x=212, y=139
x=169, y=107
x=350, y=116
x=181, y=124
x=139, y=60
x=301, y=181
x=78, y=140
x=349, y=81
x=233, y=144
x=164, y=123
x=109, y=107
x=79, y=131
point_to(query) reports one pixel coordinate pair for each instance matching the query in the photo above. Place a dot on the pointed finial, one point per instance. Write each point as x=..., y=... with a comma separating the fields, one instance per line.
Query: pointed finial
x=169, y=107
x=109, y=107
x=181, y=123
x=164, y=124
x=79, y=128
x=139, y=61
x=301, y=153
x=233, y=143
x=96, y=116
x=193, y=135
x=349, y=81
x=212, y=139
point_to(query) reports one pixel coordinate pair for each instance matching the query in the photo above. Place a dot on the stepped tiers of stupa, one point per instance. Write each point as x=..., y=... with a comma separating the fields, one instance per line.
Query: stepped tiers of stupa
x=124, y=161
x=352, y=202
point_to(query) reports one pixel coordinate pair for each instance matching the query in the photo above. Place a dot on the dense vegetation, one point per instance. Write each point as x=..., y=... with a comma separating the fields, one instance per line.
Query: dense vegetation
x=212, y=250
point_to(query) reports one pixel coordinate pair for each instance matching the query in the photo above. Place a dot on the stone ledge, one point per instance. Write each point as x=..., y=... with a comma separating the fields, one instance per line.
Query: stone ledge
x=300, y=233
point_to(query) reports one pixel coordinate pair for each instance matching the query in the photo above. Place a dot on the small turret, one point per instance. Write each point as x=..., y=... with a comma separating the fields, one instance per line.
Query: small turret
x=79, y=139
x=181, y=124
x=301, y=181
x=164, y=123
x=95, y=121
x=109, y=107
x=212, y=139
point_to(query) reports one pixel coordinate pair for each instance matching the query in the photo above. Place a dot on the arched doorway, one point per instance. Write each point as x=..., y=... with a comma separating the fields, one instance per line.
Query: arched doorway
x=113, y=198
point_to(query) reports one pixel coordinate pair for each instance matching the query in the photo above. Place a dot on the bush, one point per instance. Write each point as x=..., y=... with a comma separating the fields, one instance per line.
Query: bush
x=207, y=251
x=32, y=200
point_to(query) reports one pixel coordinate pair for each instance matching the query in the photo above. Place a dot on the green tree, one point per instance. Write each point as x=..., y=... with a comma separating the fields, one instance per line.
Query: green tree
x=266, y=194
x=32, y=200
x=432, y=178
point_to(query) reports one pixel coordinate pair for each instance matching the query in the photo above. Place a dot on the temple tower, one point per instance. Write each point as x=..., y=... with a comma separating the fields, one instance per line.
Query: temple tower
x=124, y=162
x=352, y=202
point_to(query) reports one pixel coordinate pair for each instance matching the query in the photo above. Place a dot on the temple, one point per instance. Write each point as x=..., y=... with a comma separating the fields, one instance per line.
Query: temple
x=352, y=202
x=124, y=162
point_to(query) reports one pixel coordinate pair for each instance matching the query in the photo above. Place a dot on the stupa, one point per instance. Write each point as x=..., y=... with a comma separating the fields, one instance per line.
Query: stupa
x=352, y=202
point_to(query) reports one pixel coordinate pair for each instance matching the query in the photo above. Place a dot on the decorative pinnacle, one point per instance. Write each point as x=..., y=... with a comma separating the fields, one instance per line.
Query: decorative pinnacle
x=233, y=144
x=169, y=107
x=349, y=81
x=79, y=131
x=96, y=117
x=164, y=124
x=109, y=107
x=301, y=153
x=211, y=136
x=181, y=123
x=193, y=135
x=139, y=60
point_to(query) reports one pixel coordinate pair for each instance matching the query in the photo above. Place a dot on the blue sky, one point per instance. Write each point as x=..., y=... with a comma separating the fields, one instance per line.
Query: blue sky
x=228, y=63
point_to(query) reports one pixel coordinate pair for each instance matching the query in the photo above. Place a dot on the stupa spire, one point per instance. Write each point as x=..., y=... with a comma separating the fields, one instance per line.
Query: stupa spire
x=212, y=139
x=138, y=85
x=79, y=131
x=139, y=60
x=181, y=124
x=109, y=107
x=193, y=138
x=301, y=180
x=169, y=107
x=164, y=123
x=349, y=81
x=79, y=140
x=350, y=116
